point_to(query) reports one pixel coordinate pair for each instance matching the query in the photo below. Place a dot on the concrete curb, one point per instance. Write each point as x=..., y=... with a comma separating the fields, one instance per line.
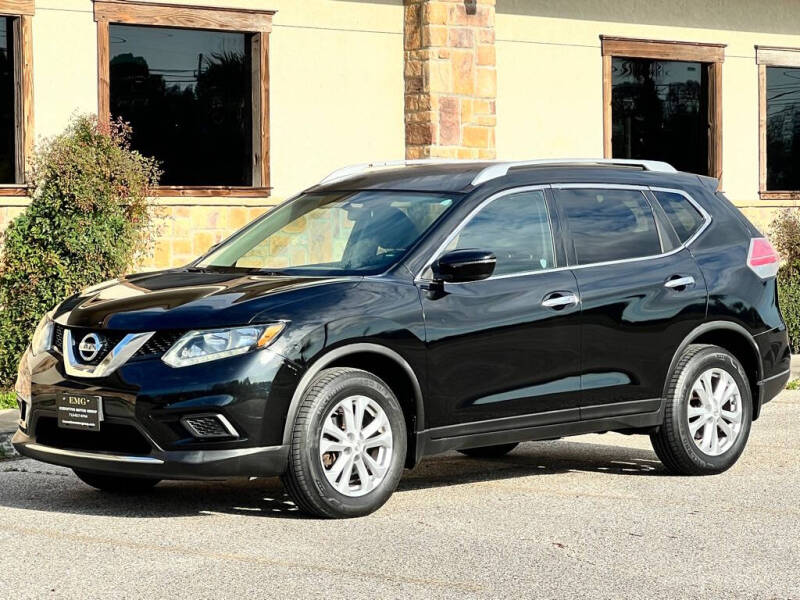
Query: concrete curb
x=8, y=426
x=795, y=367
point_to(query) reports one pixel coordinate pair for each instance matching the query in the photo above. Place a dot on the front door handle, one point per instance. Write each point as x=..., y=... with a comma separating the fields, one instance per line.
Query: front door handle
x=679, y=282
x=559, y=300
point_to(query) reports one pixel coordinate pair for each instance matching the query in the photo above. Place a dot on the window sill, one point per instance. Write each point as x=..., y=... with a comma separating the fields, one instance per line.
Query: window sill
x=774, y=195
x=14, y=190
x=187, y=191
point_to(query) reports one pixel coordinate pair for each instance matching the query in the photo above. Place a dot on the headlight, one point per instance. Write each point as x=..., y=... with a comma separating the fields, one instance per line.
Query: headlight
x=203, y=346
x=43, y=335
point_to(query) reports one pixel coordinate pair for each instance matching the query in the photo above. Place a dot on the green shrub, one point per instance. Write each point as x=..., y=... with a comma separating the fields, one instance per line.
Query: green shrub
x=789, y=298
x=89, y=220
x=785, y=236
x=784, y=233
x=8, y=400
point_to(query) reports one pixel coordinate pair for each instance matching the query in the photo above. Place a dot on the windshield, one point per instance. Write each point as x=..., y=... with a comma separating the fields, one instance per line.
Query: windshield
x=333, y=233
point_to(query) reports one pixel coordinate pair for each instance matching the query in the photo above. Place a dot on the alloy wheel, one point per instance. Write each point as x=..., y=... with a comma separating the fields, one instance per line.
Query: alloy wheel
x=355, y=445
x=714, y=412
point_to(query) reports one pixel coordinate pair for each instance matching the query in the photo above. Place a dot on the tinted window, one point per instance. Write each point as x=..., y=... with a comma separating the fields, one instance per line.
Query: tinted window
x=609, y=224
x=685, y=218
x=659, y=110
x=187, y=95
x=783, y=128
x=7, y=121
x=516, y=228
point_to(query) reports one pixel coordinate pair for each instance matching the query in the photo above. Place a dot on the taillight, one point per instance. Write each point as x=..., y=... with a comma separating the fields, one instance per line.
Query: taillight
x=762, y=258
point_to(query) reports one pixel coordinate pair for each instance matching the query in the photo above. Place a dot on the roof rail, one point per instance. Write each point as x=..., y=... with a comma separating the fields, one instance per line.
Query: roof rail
x=501, y=169
x=357, y=169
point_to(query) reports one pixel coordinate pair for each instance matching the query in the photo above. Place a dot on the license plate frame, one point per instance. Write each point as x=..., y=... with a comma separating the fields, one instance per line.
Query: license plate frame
x=82, y=412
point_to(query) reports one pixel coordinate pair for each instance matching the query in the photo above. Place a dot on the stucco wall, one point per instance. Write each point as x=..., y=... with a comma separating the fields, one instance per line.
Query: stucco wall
x=336, y=88
x=549, y=100
x=336, y=79
x=336, y=97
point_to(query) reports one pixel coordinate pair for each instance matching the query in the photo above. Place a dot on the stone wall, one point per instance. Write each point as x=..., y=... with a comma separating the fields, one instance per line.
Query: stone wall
x=187, y=231
x=450, y=79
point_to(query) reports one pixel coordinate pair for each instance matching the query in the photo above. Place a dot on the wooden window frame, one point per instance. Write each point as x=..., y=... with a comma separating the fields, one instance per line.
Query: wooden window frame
x=710, y=54
x=22, y=12
x=258, y=23
x=771, y=56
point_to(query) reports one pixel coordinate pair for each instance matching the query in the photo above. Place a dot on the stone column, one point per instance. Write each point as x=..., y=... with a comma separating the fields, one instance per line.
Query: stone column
x=450, y=79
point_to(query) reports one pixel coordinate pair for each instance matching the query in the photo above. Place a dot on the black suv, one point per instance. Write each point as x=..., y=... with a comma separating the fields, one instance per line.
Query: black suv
x=395, y=311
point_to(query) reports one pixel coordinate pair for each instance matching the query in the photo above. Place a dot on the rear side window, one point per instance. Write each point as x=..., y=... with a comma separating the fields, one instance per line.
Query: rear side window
x=685, y=218
x=609, y=224
x=516, y=228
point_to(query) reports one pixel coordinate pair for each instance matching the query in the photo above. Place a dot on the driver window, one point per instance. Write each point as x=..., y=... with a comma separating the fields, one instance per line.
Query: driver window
x=516, y=228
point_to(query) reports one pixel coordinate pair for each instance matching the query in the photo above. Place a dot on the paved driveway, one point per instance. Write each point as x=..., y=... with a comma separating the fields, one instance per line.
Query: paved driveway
x=594, y=516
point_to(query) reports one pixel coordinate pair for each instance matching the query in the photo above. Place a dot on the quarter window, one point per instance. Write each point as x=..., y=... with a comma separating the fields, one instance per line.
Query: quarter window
x=516, y=228
x=609, y=224
x=683, y=216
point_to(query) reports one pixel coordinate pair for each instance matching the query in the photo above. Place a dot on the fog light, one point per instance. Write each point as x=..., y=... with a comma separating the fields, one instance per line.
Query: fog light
x=209, y=426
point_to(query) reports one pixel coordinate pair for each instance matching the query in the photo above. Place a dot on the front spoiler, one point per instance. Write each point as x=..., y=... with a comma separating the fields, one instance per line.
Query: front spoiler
x=190, y=464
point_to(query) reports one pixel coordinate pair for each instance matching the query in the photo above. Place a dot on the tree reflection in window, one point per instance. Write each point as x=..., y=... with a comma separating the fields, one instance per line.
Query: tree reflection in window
x=783, y=129
x=7, y=102
x=659, y=111
x=188, y=96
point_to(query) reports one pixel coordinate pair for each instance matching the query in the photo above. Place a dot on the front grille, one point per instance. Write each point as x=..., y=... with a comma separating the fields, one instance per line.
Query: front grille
x=58, y=337
x=108, y=338
x=159, y=344
x=155, y=347
x=112, y=437
x=206, y=426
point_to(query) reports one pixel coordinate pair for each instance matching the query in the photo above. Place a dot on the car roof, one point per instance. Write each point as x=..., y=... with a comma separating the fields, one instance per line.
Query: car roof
x=460, y=177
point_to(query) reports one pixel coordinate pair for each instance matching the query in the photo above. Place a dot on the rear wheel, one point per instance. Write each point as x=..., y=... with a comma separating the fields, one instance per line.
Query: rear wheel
x=708, y=413
x=112, y=483
x=489, y=451
x=348, y=445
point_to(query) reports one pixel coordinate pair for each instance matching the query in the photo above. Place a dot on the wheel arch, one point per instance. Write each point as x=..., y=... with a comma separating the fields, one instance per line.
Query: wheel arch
x=735, y=339
x=379, y=360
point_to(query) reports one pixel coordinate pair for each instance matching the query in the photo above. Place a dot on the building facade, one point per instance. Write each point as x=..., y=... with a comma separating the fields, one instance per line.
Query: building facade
x=246, y=102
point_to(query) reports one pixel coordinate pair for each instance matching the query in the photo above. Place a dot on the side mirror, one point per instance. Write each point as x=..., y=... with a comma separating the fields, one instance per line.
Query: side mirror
x=459, y=266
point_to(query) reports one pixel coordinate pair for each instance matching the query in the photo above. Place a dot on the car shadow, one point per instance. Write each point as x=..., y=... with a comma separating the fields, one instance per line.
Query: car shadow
x=32, y=485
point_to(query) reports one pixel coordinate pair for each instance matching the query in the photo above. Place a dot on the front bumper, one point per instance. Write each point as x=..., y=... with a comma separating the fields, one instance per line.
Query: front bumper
x=176, y=464
x=144, y=402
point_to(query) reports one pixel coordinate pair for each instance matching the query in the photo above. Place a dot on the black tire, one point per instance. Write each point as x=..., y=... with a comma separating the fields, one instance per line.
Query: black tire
x=305, y=478
x=673, y=442
x=489, y=451
x=115, y=484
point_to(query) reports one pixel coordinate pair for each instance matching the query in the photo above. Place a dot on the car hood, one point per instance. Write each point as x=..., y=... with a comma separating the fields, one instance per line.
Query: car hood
x=189, y=298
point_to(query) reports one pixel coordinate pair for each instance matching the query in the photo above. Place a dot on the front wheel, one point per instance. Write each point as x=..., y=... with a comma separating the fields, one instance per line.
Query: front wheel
x=708, y=413
x=348, y=445
x=115, y=484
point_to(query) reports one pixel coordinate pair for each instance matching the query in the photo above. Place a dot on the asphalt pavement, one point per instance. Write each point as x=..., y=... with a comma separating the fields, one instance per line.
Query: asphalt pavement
x=591, y=517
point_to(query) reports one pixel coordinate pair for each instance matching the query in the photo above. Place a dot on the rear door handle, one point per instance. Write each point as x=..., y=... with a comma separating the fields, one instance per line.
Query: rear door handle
x=679, y=282
x=559, y=300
